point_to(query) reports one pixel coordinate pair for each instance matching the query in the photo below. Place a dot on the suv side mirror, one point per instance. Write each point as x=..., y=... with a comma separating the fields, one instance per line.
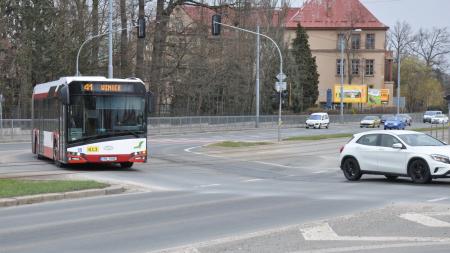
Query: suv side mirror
x=397, y=146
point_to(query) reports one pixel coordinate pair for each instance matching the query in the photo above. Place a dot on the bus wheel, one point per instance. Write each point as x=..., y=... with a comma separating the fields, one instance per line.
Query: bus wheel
x=126, y=165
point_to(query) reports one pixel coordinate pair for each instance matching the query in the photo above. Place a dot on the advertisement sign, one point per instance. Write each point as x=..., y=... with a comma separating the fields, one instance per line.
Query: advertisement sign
x=384, y=96
x=374, y=97
x=352, y=93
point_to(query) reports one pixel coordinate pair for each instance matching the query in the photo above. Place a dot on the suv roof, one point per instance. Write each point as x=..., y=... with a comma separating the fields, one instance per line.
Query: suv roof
x=319, y=113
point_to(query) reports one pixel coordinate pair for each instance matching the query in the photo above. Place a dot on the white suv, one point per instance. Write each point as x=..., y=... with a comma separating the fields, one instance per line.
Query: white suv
x=318, y=120
x=430, y=114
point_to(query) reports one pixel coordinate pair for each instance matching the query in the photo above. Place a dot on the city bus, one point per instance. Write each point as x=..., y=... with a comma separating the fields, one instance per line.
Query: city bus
x=80, y=120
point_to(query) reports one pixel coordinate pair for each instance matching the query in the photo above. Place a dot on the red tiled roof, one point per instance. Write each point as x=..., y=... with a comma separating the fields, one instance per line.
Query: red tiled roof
x=336, y=14
x=315, y=14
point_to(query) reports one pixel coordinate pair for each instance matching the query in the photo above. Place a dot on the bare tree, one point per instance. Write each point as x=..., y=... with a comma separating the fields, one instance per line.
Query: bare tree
x=432, y=46
x=124, y=69
x=400, y=38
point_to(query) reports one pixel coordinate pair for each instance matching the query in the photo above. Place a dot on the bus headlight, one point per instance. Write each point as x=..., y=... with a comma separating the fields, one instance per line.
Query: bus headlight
x=73, y=153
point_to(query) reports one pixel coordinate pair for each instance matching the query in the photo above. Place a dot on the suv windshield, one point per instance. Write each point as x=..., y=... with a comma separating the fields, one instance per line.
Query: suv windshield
x=99, y=116
x=315, y=117
x=420, y=140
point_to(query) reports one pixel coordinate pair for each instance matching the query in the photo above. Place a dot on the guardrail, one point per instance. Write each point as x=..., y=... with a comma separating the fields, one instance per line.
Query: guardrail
x=20, y=129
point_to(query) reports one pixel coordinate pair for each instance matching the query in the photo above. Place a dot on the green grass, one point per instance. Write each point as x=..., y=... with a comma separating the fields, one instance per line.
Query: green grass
x=238, y=144
x=428, y=129
x=317, y=137
x=15, y=188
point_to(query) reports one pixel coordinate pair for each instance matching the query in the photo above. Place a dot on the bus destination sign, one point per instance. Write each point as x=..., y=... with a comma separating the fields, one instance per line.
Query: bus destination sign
x=107, y=87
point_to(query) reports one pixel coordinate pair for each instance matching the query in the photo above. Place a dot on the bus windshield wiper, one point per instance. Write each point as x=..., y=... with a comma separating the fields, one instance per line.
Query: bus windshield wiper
x=134, y=133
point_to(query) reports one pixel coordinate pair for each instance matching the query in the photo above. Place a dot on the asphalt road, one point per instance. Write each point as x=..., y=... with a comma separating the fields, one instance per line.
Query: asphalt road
x=273, y=198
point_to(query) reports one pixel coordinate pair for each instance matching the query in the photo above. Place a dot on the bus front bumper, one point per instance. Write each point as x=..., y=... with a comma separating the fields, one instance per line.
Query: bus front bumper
x=139, y=157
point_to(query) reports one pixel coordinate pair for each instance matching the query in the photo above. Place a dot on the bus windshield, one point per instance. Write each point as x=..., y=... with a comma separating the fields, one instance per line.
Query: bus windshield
x=91, y=116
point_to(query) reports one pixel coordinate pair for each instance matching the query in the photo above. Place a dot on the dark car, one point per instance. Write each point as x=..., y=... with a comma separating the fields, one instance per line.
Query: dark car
x=394, y=123
x=385, y=116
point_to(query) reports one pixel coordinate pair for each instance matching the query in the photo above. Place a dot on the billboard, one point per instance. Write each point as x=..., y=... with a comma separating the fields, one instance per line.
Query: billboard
x=352, y=93
x=384, y=96
x=374, y=97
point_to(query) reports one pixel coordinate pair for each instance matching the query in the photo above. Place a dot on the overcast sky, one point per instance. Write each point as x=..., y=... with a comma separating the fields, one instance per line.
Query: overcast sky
x=419, y=13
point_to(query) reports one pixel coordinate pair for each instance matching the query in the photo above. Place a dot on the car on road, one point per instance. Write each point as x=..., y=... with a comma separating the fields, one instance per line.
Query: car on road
x=406, y=118
x=370, y=121
x=318, y=120
x=385, y=116
x=429, y=114
x=395, y=154
x=394, y=123
x=439, y=119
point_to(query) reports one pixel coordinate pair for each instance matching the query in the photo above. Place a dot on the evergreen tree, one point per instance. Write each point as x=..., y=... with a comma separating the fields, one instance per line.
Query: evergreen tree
x=303, y=73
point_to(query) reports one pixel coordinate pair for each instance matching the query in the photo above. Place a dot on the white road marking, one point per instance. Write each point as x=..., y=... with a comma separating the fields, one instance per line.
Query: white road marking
x=437, y=199
x=252, y=180
x=208, y=185
x=323, y=232
x=189, y=150
x=276, y=165
x=425, y=220
x=373, y=247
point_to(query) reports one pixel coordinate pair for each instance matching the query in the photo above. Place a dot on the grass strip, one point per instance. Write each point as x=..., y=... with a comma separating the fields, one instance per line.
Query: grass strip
x=238, y=144
x=15, y=188
x=428, y=129
x=317, y=137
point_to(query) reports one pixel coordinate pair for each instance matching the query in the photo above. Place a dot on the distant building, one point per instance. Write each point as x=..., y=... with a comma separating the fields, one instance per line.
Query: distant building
x=327, y=22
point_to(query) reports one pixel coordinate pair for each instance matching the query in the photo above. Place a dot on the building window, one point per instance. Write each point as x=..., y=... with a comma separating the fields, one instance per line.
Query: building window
x=341, y=39
x=370, y=41
x=355, y=66
x=338, y=67
x=370, y=67
x=356, y=38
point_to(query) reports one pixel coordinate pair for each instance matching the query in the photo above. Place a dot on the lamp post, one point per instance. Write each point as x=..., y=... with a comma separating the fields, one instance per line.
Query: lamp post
x=341, y=69
x=77, y=72
x=398, y=83
x=281, y=76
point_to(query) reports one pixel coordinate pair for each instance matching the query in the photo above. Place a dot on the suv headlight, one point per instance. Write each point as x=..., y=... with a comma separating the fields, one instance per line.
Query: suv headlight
x=441, y=158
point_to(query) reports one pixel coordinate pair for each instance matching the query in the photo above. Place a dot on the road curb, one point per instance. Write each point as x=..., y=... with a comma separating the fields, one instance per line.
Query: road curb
x=39, y=198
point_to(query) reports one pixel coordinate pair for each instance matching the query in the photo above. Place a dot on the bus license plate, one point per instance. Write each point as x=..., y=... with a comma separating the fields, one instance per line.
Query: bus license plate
x=108, y=159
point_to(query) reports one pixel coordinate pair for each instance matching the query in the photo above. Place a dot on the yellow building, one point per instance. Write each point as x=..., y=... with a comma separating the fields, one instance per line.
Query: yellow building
x=327, y=22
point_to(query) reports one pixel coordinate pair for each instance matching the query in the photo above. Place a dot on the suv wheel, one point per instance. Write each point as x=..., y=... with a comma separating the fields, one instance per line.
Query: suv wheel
x=419, y=172
x=351, y=169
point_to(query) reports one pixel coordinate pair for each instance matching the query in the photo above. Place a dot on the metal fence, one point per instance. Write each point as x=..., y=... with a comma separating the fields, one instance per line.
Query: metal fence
x=20, y=129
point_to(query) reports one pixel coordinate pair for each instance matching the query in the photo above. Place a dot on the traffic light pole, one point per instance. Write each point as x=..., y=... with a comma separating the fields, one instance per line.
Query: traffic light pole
x=281, y=65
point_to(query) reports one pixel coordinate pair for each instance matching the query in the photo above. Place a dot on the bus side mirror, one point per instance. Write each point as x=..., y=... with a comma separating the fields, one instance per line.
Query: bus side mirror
x=63, y=94
x=149, y=98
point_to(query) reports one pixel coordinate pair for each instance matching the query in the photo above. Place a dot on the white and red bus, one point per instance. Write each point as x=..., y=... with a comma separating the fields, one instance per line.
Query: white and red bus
x=90, y=120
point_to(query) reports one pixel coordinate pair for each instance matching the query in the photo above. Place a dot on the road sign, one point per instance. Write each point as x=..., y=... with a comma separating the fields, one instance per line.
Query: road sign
x=281, y=77
x=280, y=85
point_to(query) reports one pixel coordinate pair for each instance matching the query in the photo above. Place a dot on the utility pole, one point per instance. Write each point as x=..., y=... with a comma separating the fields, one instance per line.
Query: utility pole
x=398, y=81
x=341, y=69
x=257, y=77
x=110, y=49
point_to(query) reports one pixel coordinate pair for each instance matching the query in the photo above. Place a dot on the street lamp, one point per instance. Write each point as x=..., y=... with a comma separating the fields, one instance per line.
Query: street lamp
x=140, y=32
x=216, y=22
x=341, y=69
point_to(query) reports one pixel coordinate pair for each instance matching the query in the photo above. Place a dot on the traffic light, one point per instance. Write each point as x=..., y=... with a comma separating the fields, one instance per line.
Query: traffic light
x=215, y=24
x=141, y=27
